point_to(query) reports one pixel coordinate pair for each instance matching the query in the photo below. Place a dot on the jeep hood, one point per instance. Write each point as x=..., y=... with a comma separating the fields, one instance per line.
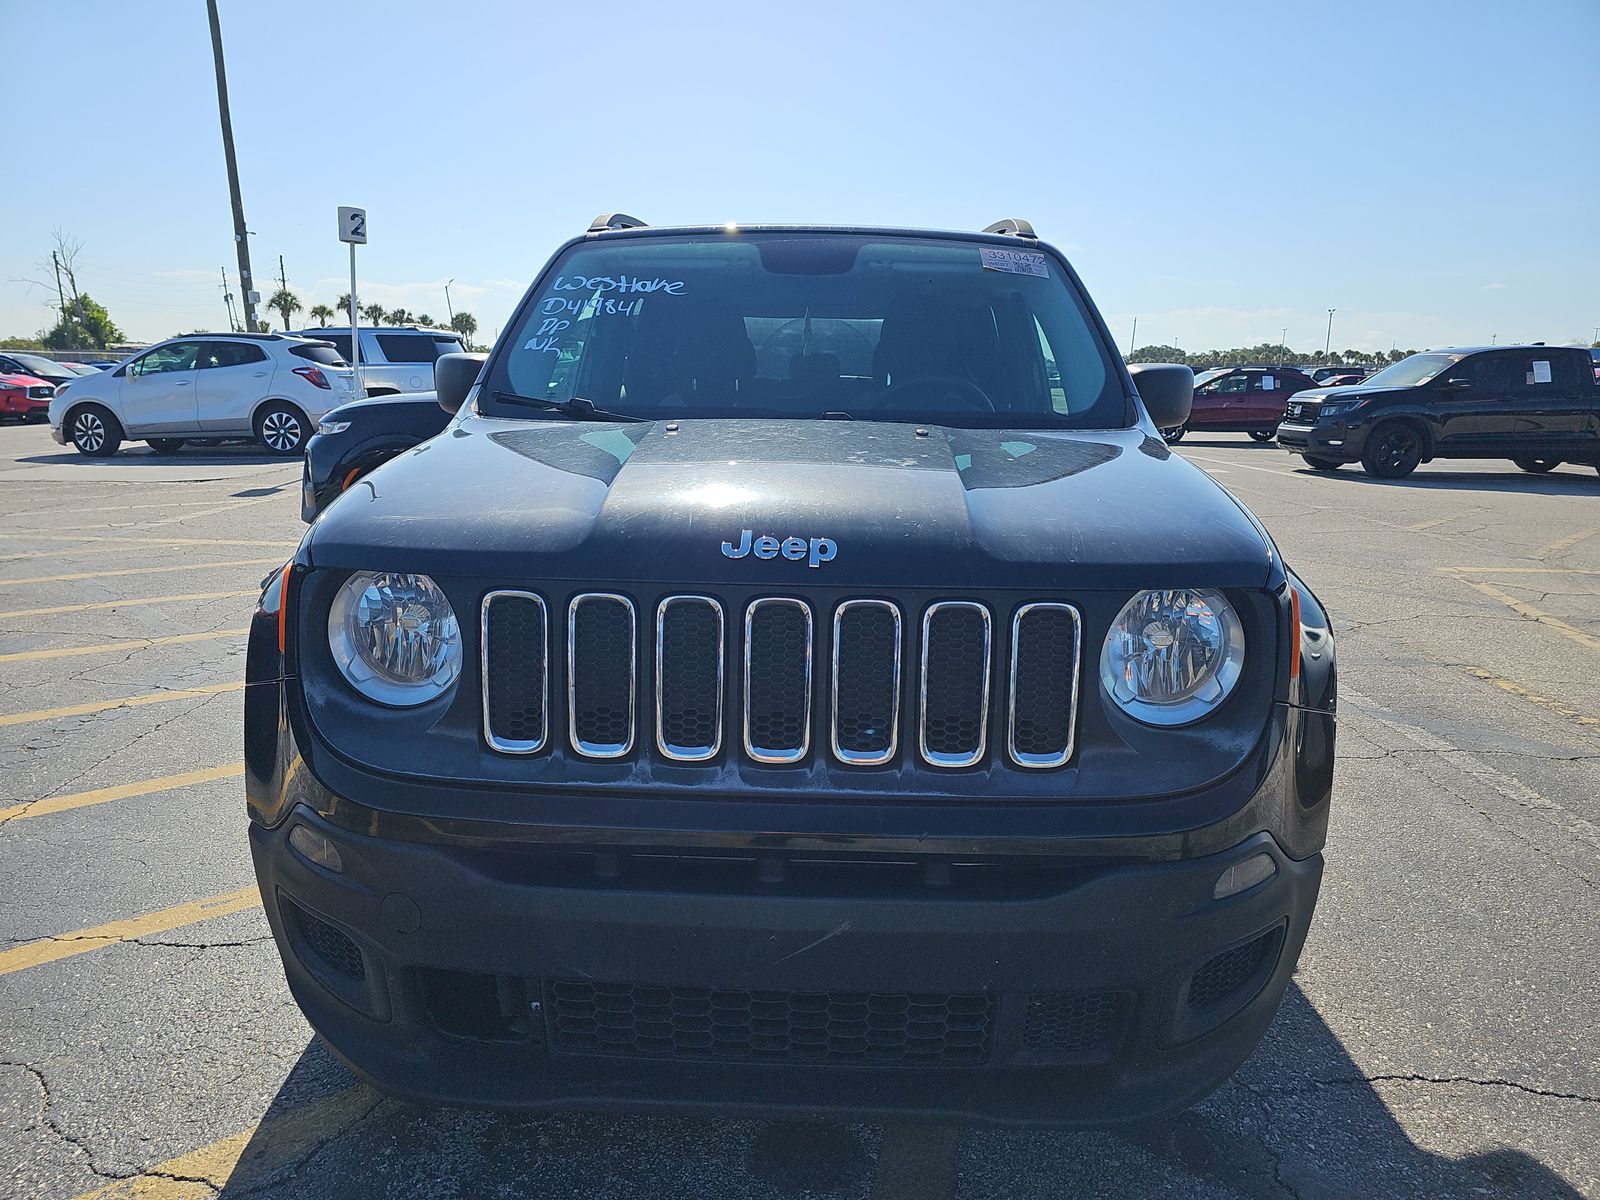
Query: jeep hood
x=526, y=500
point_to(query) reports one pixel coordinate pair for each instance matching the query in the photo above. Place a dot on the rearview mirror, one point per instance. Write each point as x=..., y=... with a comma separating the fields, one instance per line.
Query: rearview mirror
x=1167, y=390
x=453, y=377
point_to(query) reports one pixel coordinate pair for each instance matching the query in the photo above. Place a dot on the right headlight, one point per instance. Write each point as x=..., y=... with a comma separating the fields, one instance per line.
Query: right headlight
x=1172, y=656
x=395, y=637
x=327, y=426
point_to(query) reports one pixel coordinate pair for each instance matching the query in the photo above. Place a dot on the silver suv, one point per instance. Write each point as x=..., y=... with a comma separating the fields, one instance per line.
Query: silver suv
x=394, y=358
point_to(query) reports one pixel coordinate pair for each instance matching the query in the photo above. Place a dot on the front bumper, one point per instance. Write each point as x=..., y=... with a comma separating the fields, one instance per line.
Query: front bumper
x=1331, y=440
x=576, y=978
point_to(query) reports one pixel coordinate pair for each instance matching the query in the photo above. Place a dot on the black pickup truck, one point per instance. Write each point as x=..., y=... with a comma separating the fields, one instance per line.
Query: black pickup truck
x=1537, y=405
x=798, y=680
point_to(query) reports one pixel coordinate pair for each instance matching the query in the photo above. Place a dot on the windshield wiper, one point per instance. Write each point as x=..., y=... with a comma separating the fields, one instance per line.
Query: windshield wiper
x=577, y=408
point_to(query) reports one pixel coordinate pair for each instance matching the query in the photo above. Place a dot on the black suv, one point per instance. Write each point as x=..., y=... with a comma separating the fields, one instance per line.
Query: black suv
x=799, y=680
x=1537, y=405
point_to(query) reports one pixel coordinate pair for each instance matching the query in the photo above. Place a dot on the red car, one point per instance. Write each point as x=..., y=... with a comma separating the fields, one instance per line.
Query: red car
x=1241, y=400
x=25, y=397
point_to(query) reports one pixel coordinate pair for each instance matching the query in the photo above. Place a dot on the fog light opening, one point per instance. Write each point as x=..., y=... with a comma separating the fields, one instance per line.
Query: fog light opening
x=312, y=846
x=1258, y=868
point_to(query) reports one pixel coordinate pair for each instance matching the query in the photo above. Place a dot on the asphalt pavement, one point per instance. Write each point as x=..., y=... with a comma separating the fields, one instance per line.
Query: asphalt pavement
x=1439, y=1038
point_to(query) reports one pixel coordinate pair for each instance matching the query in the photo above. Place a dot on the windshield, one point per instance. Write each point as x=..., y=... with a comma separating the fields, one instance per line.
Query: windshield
x=1409, y=372
x=804, y=325
x=37, y=363
x=1208, y=376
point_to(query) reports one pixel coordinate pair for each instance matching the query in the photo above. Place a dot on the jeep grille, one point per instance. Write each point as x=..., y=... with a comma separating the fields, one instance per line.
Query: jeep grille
x=939, y=673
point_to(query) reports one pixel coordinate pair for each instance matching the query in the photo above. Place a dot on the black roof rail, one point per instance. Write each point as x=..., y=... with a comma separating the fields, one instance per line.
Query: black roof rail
x=1015, y=226
x=607, y=221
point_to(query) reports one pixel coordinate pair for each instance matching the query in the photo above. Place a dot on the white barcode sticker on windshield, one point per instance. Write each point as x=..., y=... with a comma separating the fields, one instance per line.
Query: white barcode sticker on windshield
x=1014, y=262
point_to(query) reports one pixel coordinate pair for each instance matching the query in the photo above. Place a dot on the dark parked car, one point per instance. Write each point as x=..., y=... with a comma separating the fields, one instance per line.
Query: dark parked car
x=1325, y=375
x=18, y=362
x=1539, y=406
x=358, y=437
x=1240, y=400
x=778, y=693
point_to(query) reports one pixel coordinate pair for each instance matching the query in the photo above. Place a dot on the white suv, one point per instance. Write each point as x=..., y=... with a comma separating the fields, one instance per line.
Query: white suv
x=207, y=385
x=394, y=358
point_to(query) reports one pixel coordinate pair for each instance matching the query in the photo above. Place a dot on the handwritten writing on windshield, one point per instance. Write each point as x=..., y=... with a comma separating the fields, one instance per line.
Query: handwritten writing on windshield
x=601, y=297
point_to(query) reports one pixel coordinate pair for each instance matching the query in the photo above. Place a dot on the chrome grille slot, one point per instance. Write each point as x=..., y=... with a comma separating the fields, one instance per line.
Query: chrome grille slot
x=777, y=680
x=601, y=654
x=514, y=646
x=953, y=726
x=1046, y=649
x=689, y=678
x=866, y=682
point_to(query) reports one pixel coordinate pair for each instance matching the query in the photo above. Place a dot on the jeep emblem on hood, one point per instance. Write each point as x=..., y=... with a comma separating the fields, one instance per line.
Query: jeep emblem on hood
x=816, y=551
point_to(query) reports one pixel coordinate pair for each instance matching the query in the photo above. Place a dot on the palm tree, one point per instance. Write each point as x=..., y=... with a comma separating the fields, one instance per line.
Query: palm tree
x=399, y=316
x=374, y=313
x=343, y=305
x=321, y=314
x=466, y=325
x=425, y=320
x=287, y=303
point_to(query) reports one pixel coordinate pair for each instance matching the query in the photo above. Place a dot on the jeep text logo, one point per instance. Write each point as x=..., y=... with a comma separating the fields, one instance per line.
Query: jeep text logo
x=817, y=550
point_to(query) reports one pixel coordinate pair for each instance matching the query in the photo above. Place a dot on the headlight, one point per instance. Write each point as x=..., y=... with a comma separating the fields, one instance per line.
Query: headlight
x=395, y=637
x=1172, y=656
x=326, y=426
x=1334, y=408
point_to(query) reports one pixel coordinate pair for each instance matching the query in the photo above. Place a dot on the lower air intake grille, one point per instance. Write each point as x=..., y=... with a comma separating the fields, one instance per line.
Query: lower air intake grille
x=329, y=944
x=1229, y=971
x=600, y=666
x=515, y=651
x=1074, y=1024
x=839, y=1027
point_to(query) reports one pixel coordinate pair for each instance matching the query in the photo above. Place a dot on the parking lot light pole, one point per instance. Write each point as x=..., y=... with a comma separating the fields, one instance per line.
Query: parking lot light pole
x=1327, y=344
x=447, y=306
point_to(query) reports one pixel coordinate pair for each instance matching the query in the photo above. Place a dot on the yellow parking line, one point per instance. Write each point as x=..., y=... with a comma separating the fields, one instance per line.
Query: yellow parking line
x=1566, y=543
x=96, y=706
x=68, y=535
x=66, y=945
x=1517, y=571
x=205, y=566
x=248, y=1155
x=175, y=639
x=122, y=791
x=1534, y=614
x=1592, y=724
x=142, y=600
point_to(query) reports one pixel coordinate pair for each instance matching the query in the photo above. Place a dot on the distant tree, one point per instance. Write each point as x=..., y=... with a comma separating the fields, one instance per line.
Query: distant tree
x=1158, y=354
x=343, y=305
x=84, y=326
x=321, y=314
x=425, y=319
x=287, y=303
x=374, y=313
x=466, y=325
x=400, y=316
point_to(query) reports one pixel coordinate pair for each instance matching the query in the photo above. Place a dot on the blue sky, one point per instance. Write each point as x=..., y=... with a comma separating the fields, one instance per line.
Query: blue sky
x=1220, y=171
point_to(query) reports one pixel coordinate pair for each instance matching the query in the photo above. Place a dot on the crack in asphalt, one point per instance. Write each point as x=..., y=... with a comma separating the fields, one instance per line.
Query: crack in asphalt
x=1313, y=1085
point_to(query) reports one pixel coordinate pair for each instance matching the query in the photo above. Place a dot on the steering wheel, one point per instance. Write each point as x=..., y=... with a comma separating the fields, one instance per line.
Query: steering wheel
x=939, y=387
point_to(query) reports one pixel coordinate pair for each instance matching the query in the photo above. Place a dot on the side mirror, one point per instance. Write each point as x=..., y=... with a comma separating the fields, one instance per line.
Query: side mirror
x=453, y=377
x=1167, y=390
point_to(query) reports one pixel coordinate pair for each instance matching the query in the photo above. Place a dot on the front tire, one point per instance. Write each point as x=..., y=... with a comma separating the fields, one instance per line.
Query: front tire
x=1318, y=463
x=165, y=445
x=94, y=431
x=282, y=429
x=1262, y=435
x=1174, y=435
x=1537, y=466
x=1393, y=452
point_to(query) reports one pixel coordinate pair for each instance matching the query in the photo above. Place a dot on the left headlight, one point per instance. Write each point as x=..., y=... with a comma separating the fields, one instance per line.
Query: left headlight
x=327, y=426
x=395, y=637
x=1172, y=656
